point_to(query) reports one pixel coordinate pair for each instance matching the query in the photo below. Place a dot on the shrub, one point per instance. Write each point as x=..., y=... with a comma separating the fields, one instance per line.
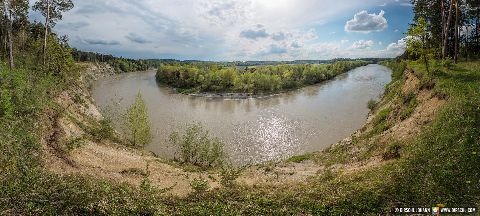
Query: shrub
x=392, y=151
x=137, y=123
x=199, y=185
x=299, y=158
x=229, y=174
x=196, y=147
x=104, y=131
x=447, y=63
x=382, y=116
x=371, y=104
x=412, y=104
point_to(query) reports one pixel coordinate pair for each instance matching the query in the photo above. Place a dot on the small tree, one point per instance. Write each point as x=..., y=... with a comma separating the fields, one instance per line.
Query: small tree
x=417, y=41
x=137, y=123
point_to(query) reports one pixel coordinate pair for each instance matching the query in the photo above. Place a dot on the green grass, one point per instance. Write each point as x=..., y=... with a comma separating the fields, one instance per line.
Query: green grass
x=299, y=158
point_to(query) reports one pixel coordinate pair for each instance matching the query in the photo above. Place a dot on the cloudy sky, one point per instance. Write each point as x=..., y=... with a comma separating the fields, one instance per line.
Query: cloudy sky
x=238, y=29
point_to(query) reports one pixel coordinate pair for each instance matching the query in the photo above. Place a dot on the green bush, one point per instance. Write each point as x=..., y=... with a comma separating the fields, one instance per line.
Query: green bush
x=196, y=147
x=382, y=116
x=299, y=158
x=371, y=104
x=104, y=131
x=407, y=111
x=199, y=185
x=392, y=151
x=228, y=175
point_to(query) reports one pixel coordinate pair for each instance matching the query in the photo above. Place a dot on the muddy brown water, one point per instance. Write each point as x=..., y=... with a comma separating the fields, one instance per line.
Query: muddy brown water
x=254, y=130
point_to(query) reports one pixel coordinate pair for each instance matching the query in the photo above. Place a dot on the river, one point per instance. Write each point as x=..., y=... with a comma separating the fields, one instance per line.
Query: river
x=254, y=130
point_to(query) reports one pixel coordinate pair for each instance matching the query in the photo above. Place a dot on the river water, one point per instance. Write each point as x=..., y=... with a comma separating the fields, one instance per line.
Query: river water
x=254, y=130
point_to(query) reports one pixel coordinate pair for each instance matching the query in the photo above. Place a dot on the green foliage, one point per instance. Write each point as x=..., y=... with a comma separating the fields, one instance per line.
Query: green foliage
x=199, y=185
x=196, y=147
x=119, y=64
x=228, y=175
x=209, y=77
x=381, y=116
x=104, y=131
x=411, y=104
x=371, y=104
x=137, y=123
x=380, y=122
x=299, y=158
x=392, y=151
x=447, y=63
x=417, y=41
x=53, y=8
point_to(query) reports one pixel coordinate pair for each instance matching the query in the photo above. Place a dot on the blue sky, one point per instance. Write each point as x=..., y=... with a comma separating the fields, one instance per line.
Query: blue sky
x=238, y=29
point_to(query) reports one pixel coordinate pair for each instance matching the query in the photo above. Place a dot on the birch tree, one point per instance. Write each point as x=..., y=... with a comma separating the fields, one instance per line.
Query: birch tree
x=7, y=12
x=52, y=11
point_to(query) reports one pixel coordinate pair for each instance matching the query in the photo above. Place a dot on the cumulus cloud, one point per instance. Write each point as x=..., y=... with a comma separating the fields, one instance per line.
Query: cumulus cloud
x=362, y=44
x=279, y=36
x=212, y=29
x=397, y=48
x=365, y=22
x=255, y=34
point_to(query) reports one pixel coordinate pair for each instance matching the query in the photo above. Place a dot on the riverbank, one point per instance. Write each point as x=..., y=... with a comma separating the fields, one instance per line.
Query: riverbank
x=304, y=120
x=418, y=147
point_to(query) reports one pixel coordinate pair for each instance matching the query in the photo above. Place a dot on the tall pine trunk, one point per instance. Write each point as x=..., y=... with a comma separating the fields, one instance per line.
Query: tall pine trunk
x=442, y=5
x=456, y=33
x=47, y=20
x=447, y=28
x=9, y=33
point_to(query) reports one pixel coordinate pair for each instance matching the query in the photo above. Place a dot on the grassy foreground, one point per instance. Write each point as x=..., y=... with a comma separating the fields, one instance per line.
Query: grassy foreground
x=440, y=165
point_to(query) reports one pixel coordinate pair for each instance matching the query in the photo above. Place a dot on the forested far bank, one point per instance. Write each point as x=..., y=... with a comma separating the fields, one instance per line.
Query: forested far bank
x=212, y=77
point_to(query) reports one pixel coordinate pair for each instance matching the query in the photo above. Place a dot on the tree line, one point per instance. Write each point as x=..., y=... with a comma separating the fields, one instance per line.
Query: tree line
x=444, y=29
x=213, y=77
x=119, y=64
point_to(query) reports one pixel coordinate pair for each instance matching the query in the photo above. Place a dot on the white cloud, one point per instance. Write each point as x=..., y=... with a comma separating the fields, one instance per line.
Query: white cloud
x=365, y=22
x=397, y=48
x=362, y=44
x=211, y=29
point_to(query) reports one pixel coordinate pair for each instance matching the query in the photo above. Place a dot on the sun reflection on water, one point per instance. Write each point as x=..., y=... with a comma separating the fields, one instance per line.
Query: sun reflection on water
x=272, y=137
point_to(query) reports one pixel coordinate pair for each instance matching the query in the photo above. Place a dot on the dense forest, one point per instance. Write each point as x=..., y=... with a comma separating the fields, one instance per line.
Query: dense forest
x=212, y=77
x=119, y=64
x=445, y=29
